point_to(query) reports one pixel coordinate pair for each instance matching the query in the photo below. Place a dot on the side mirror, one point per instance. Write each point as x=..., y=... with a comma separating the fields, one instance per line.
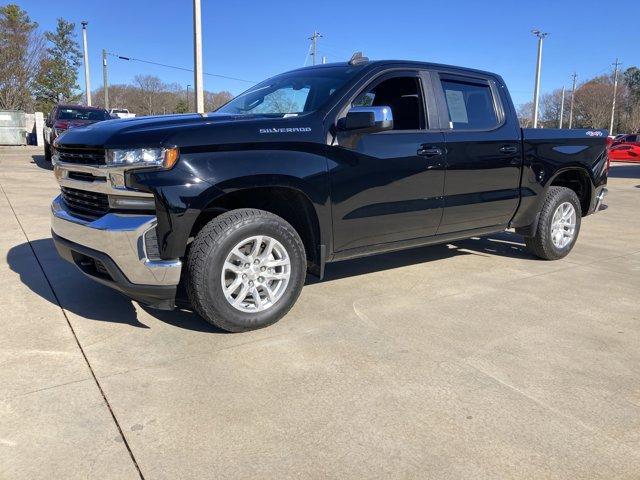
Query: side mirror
x=367, y=119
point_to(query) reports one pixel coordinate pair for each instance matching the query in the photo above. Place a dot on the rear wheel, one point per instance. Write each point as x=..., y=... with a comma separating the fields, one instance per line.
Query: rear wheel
x=558, y=226
x=246, y=269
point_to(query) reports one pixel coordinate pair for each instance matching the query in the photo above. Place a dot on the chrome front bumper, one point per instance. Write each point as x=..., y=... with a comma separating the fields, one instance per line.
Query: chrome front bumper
x=121, y=238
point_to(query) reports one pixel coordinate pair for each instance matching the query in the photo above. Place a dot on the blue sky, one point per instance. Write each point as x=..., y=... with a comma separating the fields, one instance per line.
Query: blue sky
x=256, y=39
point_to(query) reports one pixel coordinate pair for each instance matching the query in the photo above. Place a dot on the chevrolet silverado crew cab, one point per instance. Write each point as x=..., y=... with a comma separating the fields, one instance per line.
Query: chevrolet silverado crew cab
x=316, y=165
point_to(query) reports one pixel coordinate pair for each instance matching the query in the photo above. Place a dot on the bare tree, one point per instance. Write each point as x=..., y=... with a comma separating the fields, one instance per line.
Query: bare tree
x=525, y=115
x=150, y=88
x=550, y=108
x=213, y=101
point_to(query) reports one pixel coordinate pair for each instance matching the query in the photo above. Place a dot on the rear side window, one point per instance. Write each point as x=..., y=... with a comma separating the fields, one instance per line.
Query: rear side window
x=470, y=105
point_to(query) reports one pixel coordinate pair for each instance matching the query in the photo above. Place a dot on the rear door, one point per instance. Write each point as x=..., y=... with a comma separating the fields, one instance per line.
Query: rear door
x=483, y=152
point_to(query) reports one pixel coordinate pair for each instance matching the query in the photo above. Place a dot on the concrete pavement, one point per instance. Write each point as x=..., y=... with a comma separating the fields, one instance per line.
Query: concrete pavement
x=468, y=360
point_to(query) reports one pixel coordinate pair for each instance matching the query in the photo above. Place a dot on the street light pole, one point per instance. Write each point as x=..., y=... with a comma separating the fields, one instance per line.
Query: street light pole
x=314, y=44
x=105, y=79
x=536, y=91
x=561, y=108
x=87, y=82
x=615, y=91
x=573, y=95
x=197, y=54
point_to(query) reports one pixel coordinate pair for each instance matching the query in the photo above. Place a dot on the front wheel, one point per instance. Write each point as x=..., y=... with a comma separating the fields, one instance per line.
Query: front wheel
x=246, y=269
x=558, y=226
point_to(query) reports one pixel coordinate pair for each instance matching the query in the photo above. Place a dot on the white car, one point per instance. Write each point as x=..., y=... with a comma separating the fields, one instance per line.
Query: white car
x=121, y=113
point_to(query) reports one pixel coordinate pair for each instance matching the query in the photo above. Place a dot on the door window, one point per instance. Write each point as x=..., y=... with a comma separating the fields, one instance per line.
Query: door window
x=470, y=105
x=402, y=95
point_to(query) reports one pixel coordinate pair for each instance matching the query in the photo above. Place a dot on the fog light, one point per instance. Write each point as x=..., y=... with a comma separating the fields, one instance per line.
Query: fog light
x=132, y=203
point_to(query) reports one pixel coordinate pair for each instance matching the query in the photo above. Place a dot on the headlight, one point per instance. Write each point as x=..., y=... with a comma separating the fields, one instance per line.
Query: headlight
x=143, y=157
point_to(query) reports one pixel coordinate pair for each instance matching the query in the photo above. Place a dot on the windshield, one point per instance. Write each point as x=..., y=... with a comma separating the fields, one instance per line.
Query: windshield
x=292, y=93
x=82, y=114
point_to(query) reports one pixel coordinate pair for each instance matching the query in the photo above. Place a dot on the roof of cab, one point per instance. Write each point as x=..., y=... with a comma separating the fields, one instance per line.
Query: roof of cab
x=399, y=63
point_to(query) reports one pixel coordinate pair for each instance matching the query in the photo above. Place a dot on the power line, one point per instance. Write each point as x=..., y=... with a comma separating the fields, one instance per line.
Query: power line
x=122, y=57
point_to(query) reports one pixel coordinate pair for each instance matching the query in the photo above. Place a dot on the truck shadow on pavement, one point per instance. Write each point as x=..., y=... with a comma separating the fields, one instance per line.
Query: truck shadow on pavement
x=87, y=299
x=83, y=297
x=503, y=244
x=41, y=162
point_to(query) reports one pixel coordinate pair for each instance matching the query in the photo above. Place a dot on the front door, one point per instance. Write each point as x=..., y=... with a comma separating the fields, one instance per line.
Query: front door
x=387, y=186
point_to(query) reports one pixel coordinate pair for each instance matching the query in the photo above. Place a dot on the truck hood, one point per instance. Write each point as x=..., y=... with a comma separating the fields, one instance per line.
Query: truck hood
x=146, y=131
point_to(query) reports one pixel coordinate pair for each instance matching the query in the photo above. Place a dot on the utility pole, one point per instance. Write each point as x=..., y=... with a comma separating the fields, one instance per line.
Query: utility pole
x=573, y=96
x=188, y=105
x=314, y=44
x=197, y=54
x=536, y=91
x=561, y=108
x=615, y=91
x=87, y=82
x=105, y=79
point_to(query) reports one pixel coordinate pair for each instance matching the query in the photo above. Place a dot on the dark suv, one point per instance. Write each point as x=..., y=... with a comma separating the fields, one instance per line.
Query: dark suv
x=65, y=117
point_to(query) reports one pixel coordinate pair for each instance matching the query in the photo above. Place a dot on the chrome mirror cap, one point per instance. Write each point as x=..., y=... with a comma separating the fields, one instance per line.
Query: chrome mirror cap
x=367, y=119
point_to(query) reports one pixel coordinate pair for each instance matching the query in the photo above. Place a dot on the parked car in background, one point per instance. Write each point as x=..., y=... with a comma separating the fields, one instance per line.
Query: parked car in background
x=630, y=138
x=625, y=152
x=121, y=113
x=64, y=117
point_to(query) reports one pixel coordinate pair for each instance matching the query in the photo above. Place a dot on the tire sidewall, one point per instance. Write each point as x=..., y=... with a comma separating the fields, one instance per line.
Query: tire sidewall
x=213, y=298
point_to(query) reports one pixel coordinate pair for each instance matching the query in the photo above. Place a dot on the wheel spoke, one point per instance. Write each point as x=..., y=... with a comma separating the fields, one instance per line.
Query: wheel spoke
x=232, y=267
x=256, y=247
x=277, y=263
x=236, y=251
x=242, y=295
x=270, y=293
x=233, y=286
x=277, y=276
x=267, y=249
x=256, y=297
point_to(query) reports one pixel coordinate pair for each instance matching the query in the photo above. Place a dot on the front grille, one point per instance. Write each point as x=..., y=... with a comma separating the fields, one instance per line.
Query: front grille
x=82, y=156
x=86, y=204
x=85, y=177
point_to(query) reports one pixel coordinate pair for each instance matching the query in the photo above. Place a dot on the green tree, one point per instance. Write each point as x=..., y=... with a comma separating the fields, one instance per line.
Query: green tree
x=58, y=77
x=181, y=106
x=632, y=80
x=21, y=51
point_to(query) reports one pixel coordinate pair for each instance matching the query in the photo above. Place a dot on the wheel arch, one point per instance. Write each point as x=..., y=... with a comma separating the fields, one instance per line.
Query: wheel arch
x=575, y=178
x=288, y=202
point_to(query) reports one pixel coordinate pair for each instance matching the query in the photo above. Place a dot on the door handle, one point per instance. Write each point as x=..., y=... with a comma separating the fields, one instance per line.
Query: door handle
x=428, y=152
x=509, y=149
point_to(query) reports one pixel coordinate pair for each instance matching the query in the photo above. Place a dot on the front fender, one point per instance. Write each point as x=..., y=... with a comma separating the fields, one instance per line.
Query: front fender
x=202, y=177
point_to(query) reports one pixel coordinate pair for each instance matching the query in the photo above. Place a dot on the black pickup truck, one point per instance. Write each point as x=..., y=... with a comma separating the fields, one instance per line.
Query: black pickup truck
x=316, y=165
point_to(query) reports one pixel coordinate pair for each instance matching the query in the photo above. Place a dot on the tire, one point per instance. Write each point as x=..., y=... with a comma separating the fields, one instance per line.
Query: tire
x=542, y=244
x=211, y=249
x=47, y=152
